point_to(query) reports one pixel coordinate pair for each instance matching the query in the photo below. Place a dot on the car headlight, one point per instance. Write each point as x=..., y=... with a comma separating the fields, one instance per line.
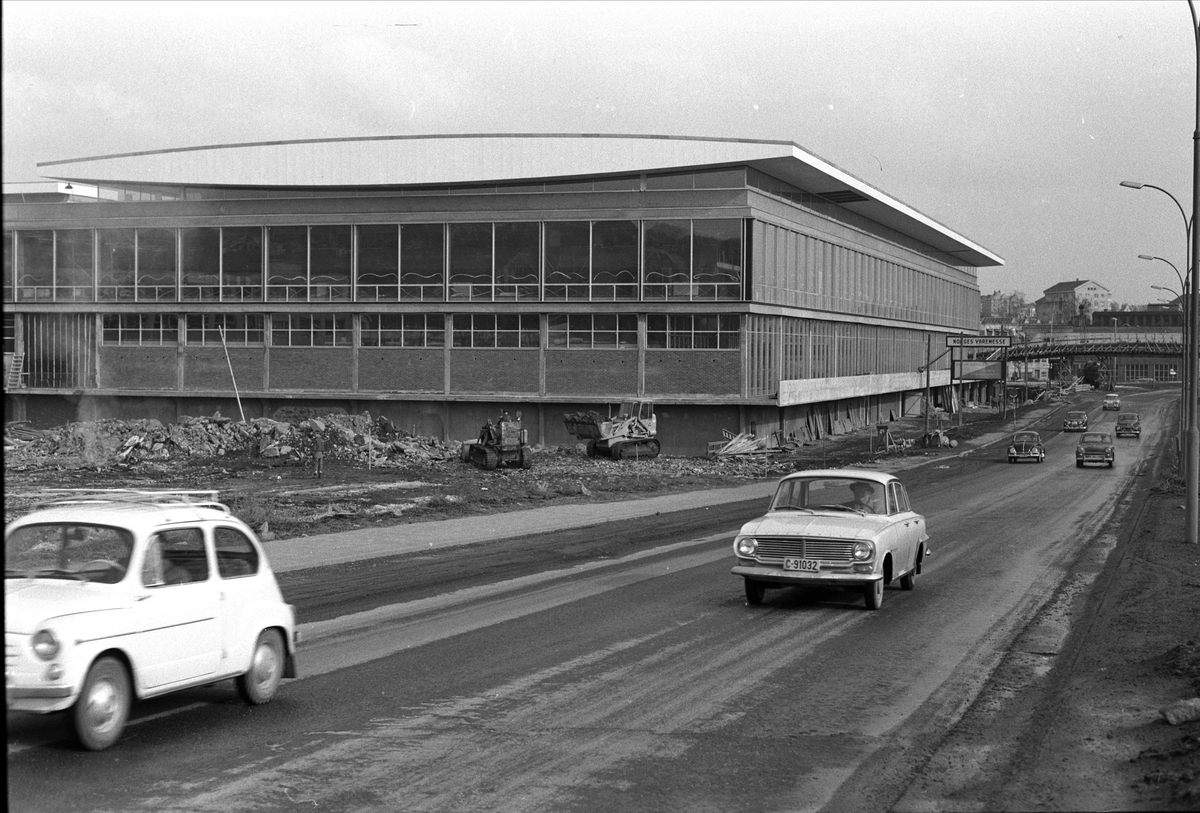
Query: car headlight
x=1012, y=450
x=747, y=545
x=863, y=551
x=45, y=645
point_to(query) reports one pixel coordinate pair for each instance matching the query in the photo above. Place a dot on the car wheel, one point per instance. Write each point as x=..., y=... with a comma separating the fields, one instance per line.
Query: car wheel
x=1078, y=464
x=909, y=580
x=755, y=592
x=1110, y=463
x=99, y=715
x=259, y=684
x=1012, y=460
x=874, y=594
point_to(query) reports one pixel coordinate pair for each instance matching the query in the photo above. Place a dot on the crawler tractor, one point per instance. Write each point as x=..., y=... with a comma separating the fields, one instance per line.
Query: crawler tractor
x=503, y=443
x=629, y=434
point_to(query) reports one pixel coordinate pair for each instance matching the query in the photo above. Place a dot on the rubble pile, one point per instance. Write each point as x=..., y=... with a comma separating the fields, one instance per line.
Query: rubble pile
x=109, y=442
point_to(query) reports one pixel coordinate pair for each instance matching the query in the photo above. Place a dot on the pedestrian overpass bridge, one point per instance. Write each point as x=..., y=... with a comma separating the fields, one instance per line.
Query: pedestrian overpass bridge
x=1093, y=344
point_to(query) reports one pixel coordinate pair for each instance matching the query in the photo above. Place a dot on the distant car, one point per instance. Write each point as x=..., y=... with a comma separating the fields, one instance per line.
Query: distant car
x=1026, y=446
x=112, y=595
x=846, y=528
x=1095, y=447
x=1129, y=423
x=1112, y=401
x=1075, y=422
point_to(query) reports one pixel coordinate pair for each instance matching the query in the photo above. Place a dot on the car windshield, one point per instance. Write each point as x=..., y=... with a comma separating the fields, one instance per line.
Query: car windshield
x=94, y=553
x=1076, y=416
x=1094, y=438
x=829, y=494
x=1025, y=437
x=1127, y=417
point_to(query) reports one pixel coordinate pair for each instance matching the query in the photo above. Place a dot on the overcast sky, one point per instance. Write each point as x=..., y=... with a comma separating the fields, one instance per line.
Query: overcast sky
x=1010, y=123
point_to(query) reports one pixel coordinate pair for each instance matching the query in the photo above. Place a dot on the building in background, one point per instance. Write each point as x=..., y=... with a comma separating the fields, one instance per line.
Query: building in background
x=1072, y=303
x=741, y=285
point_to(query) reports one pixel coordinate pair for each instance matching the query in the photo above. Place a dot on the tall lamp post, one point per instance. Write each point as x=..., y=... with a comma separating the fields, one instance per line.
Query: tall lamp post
x=1183, y=337
x=1188, y=406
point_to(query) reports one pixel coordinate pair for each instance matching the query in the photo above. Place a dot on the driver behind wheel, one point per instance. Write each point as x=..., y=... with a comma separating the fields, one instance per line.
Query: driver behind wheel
x=866, y=498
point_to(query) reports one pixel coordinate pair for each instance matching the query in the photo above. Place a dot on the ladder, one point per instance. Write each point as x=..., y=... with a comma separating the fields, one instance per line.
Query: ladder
x=16, y=372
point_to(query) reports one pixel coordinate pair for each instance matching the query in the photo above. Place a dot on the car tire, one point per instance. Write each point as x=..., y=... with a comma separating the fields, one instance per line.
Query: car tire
x=1012, y=460
x=1078, y=464
x=1110, y=463
x=873, y=593
x=755, y=592
x=909, y=580
x=261, y=681
x=99, y=715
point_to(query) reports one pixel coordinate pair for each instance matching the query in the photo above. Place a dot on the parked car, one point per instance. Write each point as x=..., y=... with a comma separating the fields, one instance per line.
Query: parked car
x=846, y=528
x=1095, y=447
x=117, y=595
x=1112, y=401
x=1075, y=422
x=1026, y=446
x=1129, y=423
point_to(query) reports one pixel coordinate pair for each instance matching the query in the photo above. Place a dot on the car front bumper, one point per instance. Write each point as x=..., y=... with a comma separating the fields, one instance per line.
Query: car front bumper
x=774, y=574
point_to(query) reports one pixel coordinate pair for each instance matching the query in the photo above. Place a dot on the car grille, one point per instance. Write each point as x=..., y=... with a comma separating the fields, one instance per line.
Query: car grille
x=826, y=550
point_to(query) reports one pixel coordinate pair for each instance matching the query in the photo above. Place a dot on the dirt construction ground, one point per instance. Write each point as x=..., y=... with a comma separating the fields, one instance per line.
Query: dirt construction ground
x=1078, y=728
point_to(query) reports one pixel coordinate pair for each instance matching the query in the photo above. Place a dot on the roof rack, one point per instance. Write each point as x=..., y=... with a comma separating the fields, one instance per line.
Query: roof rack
x=199, y=499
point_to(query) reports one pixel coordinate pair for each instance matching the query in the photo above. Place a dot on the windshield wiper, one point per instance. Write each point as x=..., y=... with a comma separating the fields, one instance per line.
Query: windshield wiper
x=842, y=508
x=55, y=573
x=791, y=508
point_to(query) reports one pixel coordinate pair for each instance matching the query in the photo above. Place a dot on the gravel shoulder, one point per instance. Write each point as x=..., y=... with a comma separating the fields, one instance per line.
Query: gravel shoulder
x=1070, y=719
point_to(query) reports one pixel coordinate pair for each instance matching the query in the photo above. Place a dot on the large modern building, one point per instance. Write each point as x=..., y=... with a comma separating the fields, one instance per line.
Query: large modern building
x=436, y=280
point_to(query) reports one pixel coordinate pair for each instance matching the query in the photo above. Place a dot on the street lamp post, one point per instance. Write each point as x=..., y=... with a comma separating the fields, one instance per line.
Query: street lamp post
x=1190, y=451
x=1183, y=346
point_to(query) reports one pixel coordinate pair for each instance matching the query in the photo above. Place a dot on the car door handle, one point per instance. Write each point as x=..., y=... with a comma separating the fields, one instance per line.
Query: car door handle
x=142, y=597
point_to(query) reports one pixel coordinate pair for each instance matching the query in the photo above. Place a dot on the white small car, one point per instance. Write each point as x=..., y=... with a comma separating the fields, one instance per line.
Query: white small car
x=847, y=528
x=112, y=595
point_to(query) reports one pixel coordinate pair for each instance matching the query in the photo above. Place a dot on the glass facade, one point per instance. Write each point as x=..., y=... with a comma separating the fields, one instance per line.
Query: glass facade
x=552, y=261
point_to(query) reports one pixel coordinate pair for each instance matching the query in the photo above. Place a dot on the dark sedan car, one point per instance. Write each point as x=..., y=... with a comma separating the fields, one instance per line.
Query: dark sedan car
x=1026, y=446
x=1075, y=422
x=1095, y=447
x=1129, y=423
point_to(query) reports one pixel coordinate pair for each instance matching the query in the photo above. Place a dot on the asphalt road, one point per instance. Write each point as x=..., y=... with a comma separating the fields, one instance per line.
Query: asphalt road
x=617, y=667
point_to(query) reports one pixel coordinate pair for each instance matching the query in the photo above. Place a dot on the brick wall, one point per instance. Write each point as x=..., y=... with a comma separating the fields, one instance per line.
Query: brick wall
x=138, y=368
x=477, y=371
x=591, y=372
x=693, y=372
x=311, y=368
x=401, y=370
x=205, y=368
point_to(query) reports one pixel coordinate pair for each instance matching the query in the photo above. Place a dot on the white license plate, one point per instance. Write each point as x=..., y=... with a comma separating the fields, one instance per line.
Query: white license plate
x=803, y=565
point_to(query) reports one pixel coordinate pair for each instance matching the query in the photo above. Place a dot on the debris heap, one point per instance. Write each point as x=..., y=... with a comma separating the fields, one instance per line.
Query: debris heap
x=109, y=442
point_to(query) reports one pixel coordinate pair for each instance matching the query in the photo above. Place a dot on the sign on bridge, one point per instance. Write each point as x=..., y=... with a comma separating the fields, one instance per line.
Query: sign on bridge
x=979, y=341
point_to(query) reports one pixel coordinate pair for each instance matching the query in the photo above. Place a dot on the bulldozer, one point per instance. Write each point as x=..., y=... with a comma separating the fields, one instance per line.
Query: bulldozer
x=503, y=443
x=628, y=434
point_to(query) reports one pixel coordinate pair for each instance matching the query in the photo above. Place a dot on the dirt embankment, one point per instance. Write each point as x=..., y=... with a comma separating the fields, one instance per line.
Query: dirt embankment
x=374, y=474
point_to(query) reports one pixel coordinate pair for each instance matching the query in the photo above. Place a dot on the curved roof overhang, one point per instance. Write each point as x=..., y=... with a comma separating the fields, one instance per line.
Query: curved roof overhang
x=449, y=160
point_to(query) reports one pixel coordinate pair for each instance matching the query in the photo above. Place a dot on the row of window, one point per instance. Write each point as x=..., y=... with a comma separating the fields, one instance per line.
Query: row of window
x=421, y=330
x=1160, y=371
x=586, y=260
